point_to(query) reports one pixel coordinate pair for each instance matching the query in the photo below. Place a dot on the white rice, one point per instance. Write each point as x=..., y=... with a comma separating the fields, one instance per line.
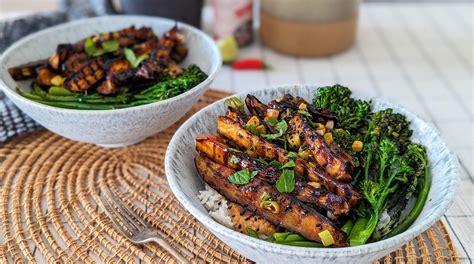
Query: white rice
x=216, y=205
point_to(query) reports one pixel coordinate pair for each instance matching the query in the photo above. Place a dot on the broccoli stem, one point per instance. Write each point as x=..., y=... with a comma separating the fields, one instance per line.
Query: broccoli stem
x=417, y=208
x=368, y=161
x=347, y=227
x=363, y=229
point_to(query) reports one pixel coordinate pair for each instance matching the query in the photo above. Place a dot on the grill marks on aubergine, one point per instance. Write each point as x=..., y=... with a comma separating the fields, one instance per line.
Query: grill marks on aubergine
x=222, y=154
x=112, y=70
x=328, y=166
x=294, y=215
x=257, y=147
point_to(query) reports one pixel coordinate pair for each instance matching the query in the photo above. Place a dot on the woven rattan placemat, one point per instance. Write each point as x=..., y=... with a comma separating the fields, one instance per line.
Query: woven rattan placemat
x=50, y=188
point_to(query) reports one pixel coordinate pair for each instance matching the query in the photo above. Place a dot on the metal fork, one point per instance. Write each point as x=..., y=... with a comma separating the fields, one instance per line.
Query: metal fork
x=132, y=226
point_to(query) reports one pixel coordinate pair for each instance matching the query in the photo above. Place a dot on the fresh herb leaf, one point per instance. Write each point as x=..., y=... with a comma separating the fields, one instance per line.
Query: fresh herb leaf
x=272, y=121
x=281, y=126
x=289, y=164
x=234, y=103
x=252, y=232
x=292, y=155
x=110, y=46
x=234, y=159
x=107, y=46
x=89, y=47
x=305, y=113
x=252, y=129
x=286, y=181
x=242, y=177
x=134, y=61
x=275, y=163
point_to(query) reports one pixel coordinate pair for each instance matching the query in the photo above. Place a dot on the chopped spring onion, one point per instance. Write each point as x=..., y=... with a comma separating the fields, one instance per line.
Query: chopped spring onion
x=326, y=238
x=261, y=129
x=272, y=206
x=253, y=121
x=234, y=103
x=265, y=196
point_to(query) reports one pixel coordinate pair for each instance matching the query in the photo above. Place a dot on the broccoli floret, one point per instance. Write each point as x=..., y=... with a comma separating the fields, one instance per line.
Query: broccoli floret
x=351, y=113
x=393, y=171
x=387, y=124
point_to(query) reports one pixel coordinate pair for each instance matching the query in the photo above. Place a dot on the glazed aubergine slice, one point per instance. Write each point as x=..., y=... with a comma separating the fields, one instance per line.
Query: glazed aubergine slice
x=86, y=77
x=288, y=101
x=27, y=71
x=243, y=219
x=222, y=154
x=321, y=152
x=293, y=215
x=160, y=58
x=256, y=146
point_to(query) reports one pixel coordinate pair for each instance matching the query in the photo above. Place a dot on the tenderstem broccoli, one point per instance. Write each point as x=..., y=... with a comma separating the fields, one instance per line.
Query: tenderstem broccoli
x=393, y=169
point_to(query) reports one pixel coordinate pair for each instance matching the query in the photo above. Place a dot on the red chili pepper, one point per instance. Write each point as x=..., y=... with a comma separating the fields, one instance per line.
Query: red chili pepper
x=249, y=64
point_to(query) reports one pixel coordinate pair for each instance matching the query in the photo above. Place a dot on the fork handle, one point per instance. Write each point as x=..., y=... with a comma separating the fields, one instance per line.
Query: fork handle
x=165, y=245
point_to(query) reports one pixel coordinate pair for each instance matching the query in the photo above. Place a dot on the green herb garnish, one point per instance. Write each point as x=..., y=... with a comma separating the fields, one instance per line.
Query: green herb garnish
x=292, y=155
x=134, y=61
x=272, y=121
x=234, y=159
x=234, y=103
x=275, y=163
x=252, y=129
x=265, y=197
x=281, y=126
x=289, y=164
x=107, y=46
x=305, y=113
x=286, y=181
x=242, y=177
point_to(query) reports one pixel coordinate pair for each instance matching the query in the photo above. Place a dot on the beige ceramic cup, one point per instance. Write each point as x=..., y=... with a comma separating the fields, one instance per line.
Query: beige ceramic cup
x=308, y=27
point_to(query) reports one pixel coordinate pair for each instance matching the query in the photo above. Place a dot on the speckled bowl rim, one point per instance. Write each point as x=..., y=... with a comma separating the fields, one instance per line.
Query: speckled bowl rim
x=392, y=242
x=215, y=65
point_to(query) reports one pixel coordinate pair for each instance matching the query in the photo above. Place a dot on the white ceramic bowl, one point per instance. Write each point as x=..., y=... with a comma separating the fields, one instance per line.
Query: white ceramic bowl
x=185, y=184
x=112, y=128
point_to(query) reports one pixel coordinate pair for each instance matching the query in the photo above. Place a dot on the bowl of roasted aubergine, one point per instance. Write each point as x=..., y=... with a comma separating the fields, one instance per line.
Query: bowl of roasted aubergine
x=111, y=81
x=308, y=174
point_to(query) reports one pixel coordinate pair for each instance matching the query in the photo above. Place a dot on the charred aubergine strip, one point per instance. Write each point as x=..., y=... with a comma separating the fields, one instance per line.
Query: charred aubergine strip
x=321, y=153
x=26, y=71
x=258, y=147
x=298, y=103
x=294, y=215
x=222, y=154
x=243, y=219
